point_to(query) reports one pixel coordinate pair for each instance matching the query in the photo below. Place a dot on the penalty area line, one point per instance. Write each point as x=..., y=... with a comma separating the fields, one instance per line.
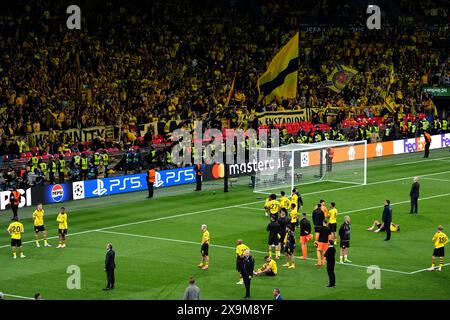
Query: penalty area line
x=18, y=297
x=426, y=269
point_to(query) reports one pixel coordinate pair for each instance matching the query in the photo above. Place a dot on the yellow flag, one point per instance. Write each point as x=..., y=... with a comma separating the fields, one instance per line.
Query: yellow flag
x=391, y=74
x=340, y=77
x=389, y=103
x=230, y=93
x=280, y=79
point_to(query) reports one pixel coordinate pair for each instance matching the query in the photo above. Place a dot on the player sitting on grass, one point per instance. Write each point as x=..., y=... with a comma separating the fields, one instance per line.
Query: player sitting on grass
x=440, y=239
x=269, y=268
x=377, y=226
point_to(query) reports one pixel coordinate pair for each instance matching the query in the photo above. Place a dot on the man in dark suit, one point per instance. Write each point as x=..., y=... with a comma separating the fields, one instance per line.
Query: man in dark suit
x=387, y=219
x=276, y=294
x=414, y=194
x=248, y=265
x=110, y=265
x=330, y=255
x=198, y=177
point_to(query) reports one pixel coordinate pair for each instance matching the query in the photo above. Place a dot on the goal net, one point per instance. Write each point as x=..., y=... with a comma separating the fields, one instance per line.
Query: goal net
x=297, y=164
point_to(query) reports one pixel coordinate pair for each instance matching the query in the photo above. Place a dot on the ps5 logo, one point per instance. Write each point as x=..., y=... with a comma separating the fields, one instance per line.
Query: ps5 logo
x=174, y=177
x=135, y=183
x=158, y=180
x=100, y=190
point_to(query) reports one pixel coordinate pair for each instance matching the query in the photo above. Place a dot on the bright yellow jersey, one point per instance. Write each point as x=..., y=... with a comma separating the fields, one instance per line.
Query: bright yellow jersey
x=274, y=206
x=294, y=200
x=266, y=204
x=273, y=266
x=62, y=220
x=284, y=202
x=16, y=229
x=440, y=239
x=293, y=215
x=333, y=214
x=205, y=237
x=240, y=250
x=38, y=218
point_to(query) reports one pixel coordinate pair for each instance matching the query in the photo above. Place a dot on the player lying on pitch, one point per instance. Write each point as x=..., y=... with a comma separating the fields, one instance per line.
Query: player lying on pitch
x=378, y=226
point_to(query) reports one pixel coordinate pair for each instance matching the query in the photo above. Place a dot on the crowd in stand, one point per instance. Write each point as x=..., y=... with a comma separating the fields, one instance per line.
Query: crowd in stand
x=178, y=61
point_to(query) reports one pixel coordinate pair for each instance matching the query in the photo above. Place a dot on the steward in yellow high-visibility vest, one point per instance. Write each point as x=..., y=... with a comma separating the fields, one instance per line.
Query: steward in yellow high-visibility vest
x=61, y=168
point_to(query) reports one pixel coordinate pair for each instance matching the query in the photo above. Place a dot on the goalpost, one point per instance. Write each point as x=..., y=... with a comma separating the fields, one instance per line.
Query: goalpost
x=298, y=164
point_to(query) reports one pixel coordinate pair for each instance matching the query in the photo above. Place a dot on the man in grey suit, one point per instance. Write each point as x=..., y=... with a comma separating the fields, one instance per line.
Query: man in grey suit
x=414, y=194
x=192, y=292
x=110, y=265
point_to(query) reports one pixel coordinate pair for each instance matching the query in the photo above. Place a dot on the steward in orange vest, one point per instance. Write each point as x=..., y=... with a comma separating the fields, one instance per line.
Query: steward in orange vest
x=14, y=200
x=151, y=178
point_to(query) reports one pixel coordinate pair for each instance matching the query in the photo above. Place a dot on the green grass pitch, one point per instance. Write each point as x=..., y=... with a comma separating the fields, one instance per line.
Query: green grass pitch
x=157, y=241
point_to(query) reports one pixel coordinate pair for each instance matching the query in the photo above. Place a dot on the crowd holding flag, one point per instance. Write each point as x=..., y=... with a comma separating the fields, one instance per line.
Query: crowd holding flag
x=280, y=79
x=340, y=77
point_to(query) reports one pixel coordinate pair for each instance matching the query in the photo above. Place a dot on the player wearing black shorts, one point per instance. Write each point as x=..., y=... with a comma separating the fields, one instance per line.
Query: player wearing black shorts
x=344, y=235
x=62, y=227
x=15, y=229
x=274, y=237
x=240, y=249
x=289, y=247
x=283, y=220
x=38, y=220
x=204, y=264
x=440, y=239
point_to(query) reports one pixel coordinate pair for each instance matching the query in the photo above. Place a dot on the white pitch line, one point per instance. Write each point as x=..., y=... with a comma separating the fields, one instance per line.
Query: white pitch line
x=251, y=208
x=436, y=179
x=139, y=222
x=421, y=161
x=368, y=184
x=375, y=207
x=19, y=297
x=395, y=203
x=422, y=270
x=49, y=238
x=231, y=248
x=228, y=207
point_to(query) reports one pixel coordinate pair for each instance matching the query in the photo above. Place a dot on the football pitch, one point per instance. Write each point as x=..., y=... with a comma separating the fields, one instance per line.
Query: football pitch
x=157, y=241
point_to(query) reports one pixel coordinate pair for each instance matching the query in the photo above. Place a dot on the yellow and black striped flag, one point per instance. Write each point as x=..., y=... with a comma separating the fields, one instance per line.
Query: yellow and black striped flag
x=340, y=77
x=280, y=79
